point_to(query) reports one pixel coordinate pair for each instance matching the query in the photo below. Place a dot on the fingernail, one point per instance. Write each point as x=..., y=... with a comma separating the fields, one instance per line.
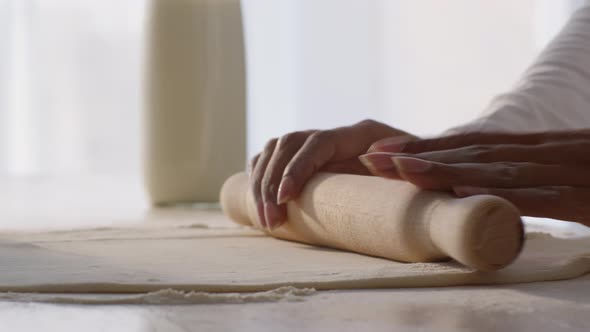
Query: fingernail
x=465, y=191
x=285, y=190
x=377, y=161
x=274, y=215
x=411, y=165
x=393, y=144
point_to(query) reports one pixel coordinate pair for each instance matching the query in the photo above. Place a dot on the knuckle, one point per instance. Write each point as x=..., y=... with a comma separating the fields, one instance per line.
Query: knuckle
x=320, y=137
x=367, y=123
x=254, y=159
x=508, y=171
x=270, y=144
x=289, y=140
x=480, y=152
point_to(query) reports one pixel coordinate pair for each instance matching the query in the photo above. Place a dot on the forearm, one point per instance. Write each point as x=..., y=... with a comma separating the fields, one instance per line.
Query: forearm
x=553, y=94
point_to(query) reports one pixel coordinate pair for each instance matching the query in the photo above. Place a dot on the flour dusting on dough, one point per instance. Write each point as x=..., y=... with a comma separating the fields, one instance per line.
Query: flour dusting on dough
x=166, y=297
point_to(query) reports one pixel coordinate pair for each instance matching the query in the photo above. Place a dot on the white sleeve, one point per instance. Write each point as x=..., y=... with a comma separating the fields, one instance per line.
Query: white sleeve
x=553, y=94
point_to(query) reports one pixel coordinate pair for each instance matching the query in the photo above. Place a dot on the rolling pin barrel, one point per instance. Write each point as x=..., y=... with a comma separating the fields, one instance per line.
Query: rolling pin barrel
x=391, y=219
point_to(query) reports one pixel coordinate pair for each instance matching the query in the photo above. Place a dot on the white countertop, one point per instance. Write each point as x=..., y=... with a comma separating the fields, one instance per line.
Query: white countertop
x=49, y=203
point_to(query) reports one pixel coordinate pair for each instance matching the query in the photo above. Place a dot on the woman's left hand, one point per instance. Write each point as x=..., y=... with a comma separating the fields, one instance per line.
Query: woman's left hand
x=544, y=175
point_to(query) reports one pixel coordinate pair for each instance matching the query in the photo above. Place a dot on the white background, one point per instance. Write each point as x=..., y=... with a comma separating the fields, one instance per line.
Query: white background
x=71, y=71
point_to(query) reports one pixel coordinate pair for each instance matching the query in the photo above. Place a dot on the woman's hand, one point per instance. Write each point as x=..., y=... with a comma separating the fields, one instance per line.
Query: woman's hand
x=544, y=175
x=280, y=171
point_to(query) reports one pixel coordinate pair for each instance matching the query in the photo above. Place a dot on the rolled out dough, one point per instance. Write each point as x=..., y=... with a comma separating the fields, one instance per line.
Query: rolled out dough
x=221, y=257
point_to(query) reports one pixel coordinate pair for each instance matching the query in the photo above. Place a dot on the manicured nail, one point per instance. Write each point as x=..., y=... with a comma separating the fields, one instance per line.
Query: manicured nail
x=378, y=161
x=274, y=215
x=393, y=144
x=465, y=191
x=411, y=165
x=285, y=192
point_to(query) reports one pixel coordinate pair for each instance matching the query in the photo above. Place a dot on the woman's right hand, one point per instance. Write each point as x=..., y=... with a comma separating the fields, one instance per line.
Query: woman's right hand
x=280, y=171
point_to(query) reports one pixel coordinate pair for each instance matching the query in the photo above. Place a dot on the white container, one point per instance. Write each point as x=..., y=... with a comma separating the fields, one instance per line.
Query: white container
x=195, y=99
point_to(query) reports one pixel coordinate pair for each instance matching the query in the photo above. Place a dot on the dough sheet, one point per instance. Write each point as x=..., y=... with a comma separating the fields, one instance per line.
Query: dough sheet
x=213, y=255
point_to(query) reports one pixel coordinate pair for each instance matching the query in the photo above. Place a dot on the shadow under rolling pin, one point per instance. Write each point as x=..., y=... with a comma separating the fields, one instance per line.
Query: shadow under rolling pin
x=391, y=219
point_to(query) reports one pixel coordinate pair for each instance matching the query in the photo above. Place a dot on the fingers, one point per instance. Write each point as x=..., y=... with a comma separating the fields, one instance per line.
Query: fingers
x=543, y=174
x=461, y=140
x=457, y=141
x=332, y=150
x=380, y=164
x=570, y=152
x=392, y=144
x=438, y=176
x=564, y=203
x=252, y=164
x=317, y=150
x=282, y=169
x=286, y=147
x=257, y=176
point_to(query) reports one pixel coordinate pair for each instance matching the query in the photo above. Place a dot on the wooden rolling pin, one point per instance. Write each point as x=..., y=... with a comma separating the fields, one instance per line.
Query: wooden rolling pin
x=390, y=219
